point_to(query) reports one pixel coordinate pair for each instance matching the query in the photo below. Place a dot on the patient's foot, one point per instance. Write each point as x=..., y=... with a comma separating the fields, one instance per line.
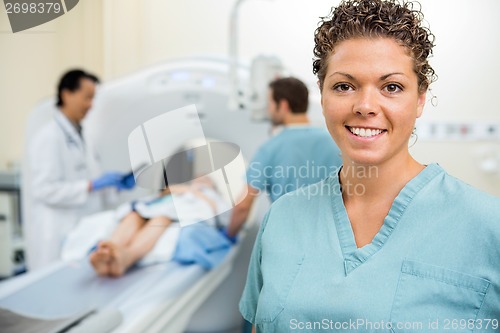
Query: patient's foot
x=100, y=259
x=121, y=260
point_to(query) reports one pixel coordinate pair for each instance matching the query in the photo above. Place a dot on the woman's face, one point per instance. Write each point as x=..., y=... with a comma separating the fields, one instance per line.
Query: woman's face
x=370, y=100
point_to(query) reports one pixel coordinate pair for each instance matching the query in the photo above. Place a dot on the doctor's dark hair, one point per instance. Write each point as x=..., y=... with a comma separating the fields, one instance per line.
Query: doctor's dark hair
x=71, y=81
x=291, y=90
x=375, y=19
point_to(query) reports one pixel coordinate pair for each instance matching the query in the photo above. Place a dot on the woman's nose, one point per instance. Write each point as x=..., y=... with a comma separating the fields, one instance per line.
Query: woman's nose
x=366, y=103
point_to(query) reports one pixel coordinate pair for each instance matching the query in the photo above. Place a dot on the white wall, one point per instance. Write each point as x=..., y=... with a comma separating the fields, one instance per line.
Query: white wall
x=151, y=31
x=115, y=37
x=32, y=61
x=466, y=61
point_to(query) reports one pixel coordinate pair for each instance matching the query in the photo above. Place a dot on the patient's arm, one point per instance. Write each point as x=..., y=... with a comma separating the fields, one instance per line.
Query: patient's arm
x=195, y=185
x=195, y=188
x=202, y=196
x=179, y=188
x=241, y=212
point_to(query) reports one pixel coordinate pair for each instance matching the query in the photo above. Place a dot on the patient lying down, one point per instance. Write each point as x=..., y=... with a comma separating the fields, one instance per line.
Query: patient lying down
x=137, y=233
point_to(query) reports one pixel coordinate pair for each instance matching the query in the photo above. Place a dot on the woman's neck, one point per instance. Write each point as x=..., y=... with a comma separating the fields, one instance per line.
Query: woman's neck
x=370, y=183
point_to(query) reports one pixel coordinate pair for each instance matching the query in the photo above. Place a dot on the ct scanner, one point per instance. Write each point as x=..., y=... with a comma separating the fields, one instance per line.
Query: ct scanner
x=165, y=297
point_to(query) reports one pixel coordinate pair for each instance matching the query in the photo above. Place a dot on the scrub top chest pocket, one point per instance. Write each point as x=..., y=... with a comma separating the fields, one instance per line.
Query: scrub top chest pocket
x=432, y=298
x=274, y=293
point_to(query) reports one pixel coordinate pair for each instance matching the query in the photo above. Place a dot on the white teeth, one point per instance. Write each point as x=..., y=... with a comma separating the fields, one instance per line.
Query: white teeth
x=364, y=132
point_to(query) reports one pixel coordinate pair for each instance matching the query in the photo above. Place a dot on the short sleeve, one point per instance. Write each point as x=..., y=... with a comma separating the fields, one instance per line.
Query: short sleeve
x=257, y=170
x=253, y=286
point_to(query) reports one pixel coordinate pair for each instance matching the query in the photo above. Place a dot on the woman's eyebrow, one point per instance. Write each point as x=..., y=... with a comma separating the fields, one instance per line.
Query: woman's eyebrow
x=349, y=76
x=386, y=76
x=382, y=78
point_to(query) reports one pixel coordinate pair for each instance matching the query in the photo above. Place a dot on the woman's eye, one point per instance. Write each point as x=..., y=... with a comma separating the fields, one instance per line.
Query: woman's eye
x=392, y=88
x=342, y=87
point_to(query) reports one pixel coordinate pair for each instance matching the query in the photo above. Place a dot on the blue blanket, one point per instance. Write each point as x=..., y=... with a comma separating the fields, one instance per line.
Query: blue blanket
x=201, y=244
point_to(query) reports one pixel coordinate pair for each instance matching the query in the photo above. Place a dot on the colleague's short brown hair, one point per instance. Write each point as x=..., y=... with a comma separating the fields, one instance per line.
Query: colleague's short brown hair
x=293, y=91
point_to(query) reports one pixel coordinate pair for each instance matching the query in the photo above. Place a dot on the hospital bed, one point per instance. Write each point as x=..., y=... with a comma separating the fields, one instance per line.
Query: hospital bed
x=158, y=298
x=165, y=297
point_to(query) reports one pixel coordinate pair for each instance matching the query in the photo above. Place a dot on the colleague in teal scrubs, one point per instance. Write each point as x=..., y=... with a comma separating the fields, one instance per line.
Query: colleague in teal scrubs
x=300, y=154
x=387, y=244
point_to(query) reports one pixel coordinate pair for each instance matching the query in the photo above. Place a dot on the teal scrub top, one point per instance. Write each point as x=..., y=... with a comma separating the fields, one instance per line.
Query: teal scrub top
x=434, y=266
x=298, y=156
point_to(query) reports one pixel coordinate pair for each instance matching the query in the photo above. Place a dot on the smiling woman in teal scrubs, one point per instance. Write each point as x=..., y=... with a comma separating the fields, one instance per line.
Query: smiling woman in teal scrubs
x=387, y=244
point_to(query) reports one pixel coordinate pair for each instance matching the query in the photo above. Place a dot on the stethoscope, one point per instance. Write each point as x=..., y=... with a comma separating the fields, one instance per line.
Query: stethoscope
x=70, y=141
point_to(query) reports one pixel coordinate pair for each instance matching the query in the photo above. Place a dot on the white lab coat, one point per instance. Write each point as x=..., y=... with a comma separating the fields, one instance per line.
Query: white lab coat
x=60, y=167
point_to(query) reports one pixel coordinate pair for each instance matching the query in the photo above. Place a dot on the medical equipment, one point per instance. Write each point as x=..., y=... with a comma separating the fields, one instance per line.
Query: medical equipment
x=161, y=297
x=10, y=223
x=264, y=69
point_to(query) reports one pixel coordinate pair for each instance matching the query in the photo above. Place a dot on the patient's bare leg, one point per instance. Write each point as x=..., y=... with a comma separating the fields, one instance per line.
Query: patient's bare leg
x=127, y=229
x=122, y=235
x=100, y=259
x=122, y=257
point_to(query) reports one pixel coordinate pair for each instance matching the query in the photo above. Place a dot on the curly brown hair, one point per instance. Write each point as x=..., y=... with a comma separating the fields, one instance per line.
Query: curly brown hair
x=374, y=19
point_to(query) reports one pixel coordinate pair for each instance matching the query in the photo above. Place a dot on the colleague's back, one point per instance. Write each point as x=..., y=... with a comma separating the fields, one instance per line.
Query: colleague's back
x=298, y=156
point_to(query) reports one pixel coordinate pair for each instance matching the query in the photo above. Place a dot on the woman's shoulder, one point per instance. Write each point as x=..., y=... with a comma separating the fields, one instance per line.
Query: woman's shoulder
x=297, y=216
x=304, y=202
x=467, y=201
x=466, y=193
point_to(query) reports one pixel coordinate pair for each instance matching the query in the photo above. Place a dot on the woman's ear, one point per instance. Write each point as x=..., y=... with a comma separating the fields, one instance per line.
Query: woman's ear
x=421, y=103
x=321, y=96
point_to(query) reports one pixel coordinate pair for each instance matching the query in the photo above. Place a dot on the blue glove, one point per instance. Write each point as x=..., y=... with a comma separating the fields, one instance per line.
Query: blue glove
x=107, y=180
x=127, y=182
x=232, y=239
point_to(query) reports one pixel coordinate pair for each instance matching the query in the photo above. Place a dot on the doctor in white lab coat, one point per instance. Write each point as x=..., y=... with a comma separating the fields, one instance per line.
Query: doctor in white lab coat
x=66, y=181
